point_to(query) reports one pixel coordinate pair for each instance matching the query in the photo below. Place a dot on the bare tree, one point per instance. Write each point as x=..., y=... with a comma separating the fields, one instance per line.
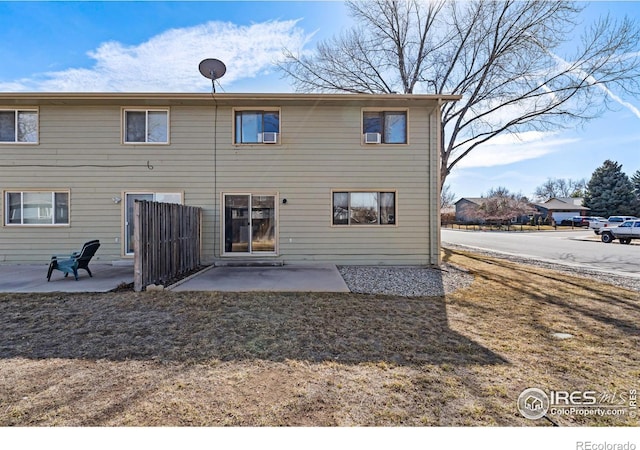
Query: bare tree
x=560, y=187
x=503, y=57
x=501, y=206
x=447, y=197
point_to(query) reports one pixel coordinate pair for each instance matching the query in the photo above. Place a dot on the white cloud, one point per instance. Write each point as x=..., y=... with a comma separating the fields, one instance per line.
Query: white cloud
x=14, y=86
x=512, y=148
x=169, y=61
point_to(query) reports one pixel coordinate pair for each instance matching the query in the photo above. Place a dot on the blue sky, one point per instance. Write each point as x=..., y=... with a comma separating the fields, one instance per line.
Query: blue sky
x=156, y=46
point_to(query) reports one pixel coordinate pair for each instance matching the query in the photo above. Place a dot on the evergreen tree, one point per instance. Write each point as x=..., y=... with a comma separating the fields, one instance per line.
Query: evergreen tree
x=635, y=179
x=610, y=192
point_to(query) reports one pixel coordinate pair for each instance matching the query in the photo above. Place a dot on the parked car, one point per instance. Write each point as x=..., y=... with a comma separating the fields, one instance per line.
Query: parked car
x=580, y=221
x=612, y=221
x=585, y=221
x=624, y=232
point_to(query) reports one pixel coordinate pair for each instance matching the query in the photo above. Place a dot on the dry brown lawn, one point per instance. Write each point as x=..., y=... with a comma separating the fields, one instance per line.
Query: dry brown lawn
x=265, y=359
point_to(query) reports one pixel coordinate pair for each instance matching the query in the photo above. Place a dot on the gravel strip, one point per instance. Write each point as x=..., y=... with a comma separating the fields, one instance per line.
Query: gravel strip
x=406, y=281
x=630, y=283
x=412, y=281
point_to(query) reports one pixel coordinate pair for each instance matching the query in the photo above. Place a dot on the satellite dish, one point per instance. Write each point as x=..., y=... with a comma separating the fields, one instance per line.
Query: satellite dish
x=212, y=69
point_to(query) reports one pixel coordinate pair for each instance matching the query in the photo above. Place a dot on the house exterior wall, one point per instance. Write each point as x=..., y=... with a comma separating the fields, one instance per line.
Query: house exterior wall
x=320, y=151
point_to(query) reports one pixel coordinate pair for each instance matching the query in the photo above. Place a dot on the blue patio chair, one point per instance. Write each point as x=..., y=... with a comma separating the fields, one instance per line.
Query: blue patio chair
x=77, y=260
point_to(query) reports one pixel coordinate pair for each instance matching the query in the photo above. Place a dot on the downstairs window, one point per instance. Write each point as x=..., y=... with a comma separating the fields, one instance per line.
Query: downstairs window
x=36, y=208
x=364, y=208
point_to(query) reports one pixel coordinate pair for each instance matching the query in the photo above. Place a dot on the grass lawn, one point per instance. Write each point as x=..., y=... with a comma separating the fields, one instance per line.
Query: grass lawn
x=208, y=359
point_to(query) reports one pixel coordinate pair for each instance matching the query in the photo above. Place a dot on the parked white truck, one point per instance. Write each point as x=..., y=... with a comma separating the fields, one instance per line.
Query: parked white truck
x=625, y=232
x=598, y=225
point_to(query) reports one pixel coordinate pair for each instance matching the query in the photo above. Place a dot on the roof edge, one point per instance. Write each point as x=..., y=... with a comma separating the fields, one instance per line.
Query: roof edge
x=242, y=95
x=61, y=98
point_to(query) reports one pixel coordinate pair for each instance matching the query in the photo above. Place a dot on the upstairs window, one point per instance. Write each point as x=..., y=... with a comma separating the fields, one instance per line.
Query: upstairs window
x=19, y=125
x=37, y=208
x=364, y=208
x=149, y=126
x=257, y=127
x=384, y=127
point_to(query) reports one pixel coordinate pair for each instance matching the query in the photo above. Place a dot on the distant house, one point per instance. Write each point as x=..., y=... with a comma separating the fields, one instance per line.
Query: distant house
x=466, y=209
x=340, y=178
x=561, y=208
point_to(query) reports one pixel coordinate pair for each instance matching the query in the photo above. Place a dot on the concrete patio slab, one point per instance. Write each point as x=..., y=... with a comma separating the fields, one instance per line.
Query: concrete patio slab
x=288, y=278
x=33, y=278
x=30, y=278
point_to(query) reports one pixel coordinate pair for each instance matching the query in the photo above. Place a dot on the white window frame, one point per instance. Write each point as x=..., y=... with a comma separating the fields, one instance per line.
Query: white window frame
x=382, y=136
x=53, y=193
x=261, y=110
x=146, y=130
x=17, y=112
x=125, y=223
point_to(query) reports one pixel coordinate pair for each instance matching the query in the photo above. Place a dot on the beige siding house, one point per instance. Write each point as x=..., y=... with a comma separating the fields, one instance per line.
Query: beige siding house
x=348, y=179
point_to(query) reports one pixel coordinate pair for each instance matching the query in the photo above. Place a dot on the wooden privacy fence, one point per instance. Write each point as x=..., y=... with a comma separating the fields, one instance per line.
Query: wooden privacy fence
x=166, y=242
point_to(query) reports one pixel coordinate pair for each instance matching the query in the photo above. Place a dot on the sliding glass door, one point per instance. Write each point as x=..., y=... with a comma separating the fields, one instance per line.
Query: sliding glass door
x=249, y=224
x=263, y=224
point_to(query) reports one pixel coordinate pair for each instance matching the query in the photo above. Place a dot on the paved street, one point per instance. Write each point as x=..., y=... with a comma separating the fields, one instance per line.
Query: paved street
x=574, y=248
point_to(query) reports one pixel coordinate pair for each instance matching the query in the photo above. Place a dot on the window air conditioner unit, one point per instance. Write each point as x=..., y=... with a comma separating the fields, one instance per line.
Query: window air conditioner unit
x=270, y=138
x=372, y=138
